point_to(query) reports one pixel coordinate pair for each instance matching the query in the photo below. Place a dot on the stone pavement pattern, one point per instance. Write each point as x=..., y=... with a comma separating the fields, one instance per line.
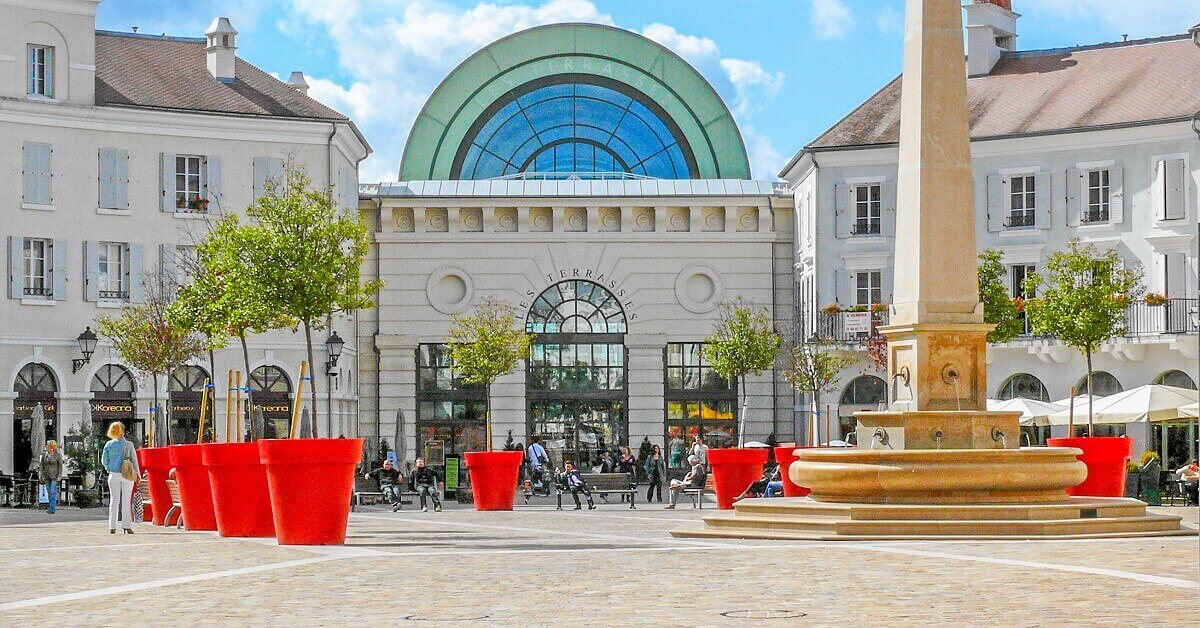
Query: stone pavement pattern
x=537, y=566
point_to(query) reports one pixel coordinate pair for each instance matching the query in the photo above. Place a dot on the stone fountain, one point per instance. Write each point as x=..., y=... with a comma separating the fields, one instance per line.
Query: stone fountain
x=937, y=464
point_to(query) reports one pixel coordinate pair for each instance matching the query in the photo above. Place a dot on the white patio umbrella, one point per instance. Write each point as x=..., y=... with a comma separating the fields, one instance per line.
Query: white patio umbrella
x=1033, y=411
x=1192, y=410
x=1152, y=402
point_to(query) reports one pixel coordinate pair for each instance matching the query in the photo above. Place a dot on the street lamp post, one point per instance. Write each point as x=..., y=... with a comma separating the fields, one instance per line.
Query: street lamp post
x=334, y=348
x=87, y=345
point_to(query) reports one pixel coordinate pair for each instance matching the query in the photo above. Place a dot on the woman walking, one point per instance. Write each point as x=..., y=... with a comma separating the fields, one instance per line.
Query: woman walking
x=50, y=468
x=120, y=461
x=656, y=470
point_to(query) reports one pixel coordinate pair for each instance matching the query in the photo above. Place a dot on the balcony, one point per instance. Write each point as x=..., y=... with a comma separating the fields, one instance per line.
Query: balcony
x=844, y=327
x=1176, y=316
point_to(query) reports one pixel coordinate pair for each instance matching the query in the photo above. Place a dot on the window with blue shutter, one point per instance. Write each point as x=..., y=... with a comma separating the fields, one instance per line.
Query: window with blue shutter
x=266, y=169
x=114, y=178
x=58, y=270
x=36, y=174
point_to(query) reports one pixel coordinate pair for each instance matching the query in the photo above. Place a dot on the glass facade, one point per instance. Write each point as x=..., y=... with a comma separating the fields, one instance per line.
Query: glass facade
x=449, y=410
x=698, y=401
x=575, y=124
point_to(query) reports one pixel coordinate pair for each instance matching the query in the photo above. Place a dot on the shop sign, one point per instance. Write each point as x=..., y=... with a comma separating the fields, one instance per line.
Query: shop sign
x=856, y=322
x=26, y=406
x=584, y=274
x=109, y=408
x=451, y=473
x=435, y=453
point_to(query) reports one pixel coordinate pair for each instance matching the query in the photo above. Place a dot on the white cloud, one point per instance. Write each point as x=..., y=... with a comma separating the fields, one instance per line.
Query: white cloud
x=831, y=18
x=393, y=61
x=889, y=20
x=1166, y=17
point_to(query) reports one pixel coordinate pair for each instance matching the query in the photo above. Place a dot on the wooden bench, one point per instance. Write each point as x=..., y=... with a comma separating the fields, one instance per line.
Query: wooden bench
x=176, y=505
x=607, y=484
x=365, y=490
x=697, y=494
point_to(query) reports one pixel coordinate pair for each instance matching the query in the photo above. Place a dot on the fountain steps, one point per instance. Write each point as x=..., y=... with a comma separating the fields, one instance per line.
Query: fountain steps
x=804, y=519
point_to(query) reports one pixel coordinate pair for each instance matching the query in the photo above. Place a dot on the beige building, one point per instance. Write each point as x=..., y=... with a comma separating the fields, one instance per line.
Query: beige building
x=117, y=150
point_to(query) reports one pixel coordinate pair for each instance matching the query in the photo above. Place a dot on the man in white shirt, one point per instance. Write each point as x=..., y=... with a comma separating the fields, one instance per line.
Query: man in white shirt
x=538, y=461
x=699, y=450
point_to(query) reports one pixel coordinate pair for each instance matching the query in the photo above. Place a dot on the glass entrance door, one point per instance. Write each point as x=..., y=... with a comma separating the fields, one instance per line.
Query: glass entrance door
x=576, y=431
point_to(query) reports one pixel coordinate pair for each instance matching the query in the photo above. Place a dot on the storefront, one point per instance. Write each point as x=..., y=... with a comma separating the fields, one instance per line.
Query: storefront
x=271, y=394
x=113, y=399
x=184, y=396
x=36, y=387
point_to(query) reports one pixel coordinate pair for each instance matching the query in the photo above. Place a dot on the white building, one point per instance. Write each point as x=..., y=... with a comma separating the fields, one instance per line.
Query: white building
x=1094, y=142
x=593, y=180
x=115, y=149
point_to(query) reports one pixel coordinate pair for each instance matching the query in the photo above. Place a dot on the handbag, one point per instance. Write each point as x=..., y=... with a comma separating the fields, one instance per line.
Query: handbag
x=127, y=471
x=43, y=494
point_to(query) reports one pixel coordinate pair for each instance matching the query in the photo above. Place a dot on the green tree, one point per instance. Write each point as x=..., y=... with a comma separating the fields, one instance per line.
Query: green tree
x=485, y=345
x=223, y=296
x=147, y=340
x=999, y=308
x=741, y=344
x=813, y=369
x=305, y=256
x=1083, y=296
x=82, y=448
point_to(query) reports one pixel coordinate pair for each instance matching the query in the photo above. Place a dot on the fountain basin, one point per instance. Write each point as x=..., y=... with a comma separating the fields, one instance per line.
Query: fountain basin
x=1033, y=475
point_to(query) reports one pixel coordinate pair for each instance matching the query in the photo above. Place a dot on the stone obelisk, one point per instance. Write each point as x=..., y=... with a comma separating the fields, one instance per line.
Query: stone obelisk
x=936, y=336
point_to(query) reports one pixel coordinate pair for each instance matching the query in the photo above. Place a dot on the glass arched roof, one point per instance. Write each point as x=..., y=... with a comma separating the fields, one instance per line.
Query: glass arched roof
x=576, y=307
x=575, y=124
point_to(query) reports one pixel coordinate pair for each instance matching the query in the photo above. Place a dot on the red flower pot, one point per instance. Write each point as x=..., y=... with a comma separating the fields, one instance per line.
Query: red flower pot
x=785, y=455
x=734, y=470
x=1105, y=457
x=241, y=502
x=311, y=481
x=155, y=462
x=494, y=478
x=195, y=494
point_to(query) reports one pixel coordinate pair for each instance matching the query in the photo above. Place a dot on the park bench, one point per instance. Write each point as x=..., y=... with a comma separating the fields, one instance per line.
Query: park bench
x=607, y=484
x=176, y=504
x=369, y=488
x=697, y=494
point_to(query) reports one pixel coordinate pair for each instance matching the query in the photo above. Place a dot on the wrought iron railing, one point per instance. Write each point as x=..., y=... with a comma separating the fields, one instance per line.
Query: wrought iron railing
x=114, y=295
x=834, y=327
x=1176, y=316
x=44, y=291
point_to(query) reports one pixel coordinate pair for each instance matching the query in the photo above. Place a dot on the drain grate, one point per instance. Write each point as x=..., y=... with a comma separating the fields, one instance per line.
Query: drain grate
x=446, y=618
x=763, y=614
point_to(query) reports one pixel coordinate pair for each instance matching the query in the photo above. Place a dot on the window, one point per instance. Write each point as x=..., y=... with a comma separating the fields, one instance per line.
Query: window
x=113, y=271
x=1176, y=378
x=188, y=188
x=448, y=410
x=1021, y=286
x=1023, y=385
x=1104, y=383
x=868, y=287
x=868, y=207
x=698, y=403
x=41, y=71
x=1171, y=189
x=37, y=174
x=1096, y=207
x=37, y=256
x=1022, y=192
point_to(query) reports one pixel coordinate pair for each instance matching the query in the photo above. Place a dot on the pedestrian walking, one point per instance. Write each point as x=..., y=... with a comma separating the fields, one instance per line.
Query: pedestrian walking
x=390, y=481
x=120, y=460
x=50, y=469
x=656, y=470
x=425, y=483
x=574, y=483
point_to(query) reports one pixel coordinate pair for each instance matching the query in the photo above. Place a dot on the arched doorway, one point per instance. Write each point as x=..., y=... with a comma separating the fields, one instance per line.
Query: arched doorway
x=112, y=400
x=183, y=393
x=1103, y=383
x=35, y=385
x=575, y=385
x=863, y=393
x=1024, y=386
x=271, y=392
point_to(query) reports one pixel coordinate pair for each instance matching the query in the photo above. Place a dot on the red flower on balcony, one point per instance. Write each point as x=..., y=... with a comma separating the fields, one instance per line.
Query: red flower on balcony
x=1155, y=299
x=833, y=309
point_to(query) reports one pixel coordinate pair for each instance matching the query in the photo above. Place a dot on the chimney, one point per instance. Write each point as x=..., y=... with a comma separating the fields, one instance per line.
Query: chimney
x=991, y=30
x=296, y=81
x=222, y=42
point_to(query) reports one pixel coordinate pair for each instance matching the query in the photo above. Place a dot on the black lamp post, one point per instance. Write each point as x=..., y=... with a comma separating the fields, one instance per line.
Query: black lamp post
x=334, y=344
x=87, y=345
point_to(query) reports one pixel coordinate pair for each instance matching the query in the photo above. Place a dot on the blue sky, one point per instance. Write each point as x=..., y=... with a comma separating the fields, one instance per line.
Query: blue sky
x=787, y=68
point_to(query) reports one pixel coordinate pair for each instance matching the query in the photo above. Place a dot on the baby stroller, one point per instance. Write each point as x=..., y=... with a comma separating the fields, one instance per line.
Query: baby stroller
x=535, y=483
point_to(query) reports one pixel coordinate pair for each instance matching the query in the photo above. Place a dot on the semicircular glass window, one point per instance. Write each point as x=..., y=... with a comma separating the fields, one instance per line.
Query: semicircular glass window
x=578, y=125
x=576, y=307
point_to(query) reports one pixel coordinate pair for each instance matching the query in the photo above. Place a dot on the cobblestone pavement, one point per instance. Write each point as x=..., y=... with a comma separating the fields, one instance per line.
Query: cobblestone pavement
x=538, y=566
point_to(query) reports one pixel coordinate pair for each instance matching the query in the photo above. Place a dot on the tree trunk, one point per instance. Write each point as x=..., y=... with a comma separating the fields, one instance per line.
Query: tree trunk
x=741, y=393
x=249, y=395
x=154, y=427
x=212, y=385
x=312, y=368
x=487, y=416
x=1087, y=354
x=813, y=420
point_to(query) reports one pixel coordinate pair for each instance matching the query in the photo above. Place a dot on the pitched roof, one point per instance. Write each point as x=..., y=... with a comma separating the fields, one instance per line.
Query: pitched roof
x=1047, y=91
x=172, y=73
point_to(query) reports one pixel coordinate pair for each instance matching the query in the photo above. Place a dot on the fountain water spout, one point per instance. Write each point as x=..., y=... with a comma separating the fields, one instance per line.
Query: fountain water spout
x=999, y=437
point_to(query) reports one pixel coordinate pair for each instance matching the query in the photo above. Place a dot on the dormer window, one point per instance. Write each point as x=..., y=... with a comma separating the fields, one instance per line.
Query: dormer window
x=41, y=71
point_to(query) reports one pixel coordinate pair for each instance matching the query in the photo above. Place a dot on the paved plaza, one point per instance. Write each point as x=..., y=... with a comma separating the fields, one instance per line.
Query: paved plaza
x=539, y=566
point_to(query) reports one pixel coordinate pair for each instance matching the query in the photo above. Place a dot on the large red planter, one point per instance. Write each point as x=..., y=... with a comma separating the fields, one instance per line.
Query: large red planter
x=494, y=478
x=734, y=470
x=241, y=501
x=195, y=493
x=1105, y=457
x=785, y=455
x=311, y=481
x=156, y=463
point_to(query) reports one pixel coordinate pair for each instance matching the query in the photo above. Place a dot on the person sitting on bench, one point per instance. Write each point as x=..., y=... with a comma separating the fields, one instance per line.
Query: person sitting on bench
x=694, y=479
x=425, y=483
x=576, y=485
x=389, y=480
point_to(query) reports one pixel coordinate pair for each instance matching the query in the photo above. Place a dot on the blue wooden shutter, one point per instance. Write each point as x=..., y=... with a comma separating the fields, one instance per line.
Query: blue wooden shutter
x=996, y=207
x=166, y=262
x=887, y=194
x=91, y=271
x=168, y=183
x=137, y=274
x=1175, y=184
x=50, y=72
x=212, y=182
x=45, y=175
x=114, y=178
x=1043, y=213
x=1074, y=197
x=59, y=270
x=16, y=267
x=843, y=207
x=1116, y=195
x=261, y=174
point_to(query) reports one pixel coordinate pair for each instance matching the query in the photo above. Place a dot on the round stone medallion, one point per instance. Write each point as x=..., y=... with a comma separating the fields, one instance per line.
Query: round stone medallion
x=698, y=289
x=449, y=289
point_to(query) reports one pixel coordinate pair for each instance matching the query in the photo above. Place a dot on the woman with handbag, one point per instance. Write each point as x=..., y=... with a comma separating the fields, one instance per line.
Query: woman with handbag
x=120, y=460
x=50, y=469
